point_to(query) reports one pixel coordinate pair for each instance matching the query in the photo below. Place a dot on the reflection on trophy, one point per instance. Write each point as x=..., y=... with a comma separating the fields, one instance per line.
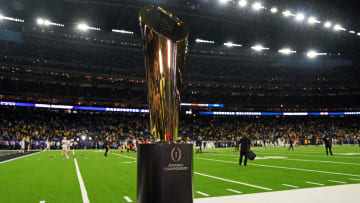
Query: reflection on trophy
x=164, y=168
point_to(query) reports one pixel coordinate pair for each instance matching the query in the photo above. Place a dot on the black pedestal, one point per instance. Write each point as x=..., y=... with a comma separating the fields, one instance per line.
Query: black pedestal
x=164, y=173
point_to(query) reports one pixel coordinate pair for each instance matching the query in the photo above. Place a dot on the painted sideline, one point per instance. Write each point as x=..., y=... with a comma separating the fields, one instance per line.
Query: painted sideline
x=81, y=182
x=19, y=157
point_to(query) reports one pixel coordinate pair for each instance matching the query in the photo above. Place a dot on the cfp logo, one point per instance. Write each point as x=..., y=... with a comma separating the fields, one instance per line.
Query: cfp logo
x=176, y=154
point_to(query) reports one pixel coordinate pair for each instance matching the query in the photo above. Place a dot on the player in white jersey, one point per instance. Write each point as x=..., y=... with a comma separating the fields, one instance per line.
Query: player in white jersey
x=22, y=144
x=65, y=144
x=48, y=144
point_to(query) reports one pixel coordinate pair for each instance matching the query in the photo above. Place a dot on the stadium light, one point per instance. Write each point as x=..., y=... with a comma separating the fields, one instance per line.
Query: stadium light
x=338, y=27
x=259, y=48
x=313, y=20
x=122, y=31
x=85, y=27
x=230, y=44
x=313, y=54
x=223, y=1
x=274, y=10
x=45, y=22
x=287, y=51
x=352, y=32
x=11, y=19
x=287, y=13
x=242, y=3
x=204, y=41
x=327, y=24
x=299, y=17
x=257, y=6
x=358, y=33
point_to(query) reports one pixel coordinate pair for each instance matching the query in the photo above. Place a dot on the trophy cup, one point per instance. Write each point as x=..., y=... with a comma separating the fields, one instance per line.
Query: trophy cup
x=164, y=169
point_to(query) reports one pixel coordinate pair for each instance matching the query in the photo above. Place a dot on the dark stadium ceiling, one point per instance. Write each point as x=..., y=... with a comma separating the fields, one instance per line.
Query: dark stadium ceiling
x=210, y=20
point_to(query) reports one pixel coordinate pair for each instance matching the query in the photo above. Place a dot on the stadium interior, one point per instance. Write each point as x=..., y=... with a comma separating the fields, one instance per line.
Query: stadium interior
x=281, y=72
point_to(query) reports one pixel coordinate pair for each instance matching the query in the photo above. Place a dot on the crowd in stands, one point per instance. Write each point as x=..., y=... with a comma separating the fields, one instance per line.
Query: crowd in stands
x=44, y=124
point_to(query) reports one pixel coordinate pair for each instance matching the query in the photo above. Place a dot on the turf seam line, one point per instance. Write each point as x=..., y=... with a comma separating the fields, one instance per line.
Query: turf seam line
x=354, y=179
x=314, y=183
x=81, y=182
x=18, y=158
x=293, y=186
x=335, y=181
x=203, y=194
x=231, y=190
x=232, y=181
x=282, y=167
x=128, y=199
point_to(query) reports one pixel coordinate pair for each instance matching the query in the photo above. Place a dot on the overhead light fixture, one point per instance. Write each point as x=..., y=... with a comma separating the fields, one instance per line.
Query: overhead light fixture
x=352, y=32
x=313, y=54
x=257, y=6
x=358, y=33
x=338, y=27
x=204, y=41
x=259, y=48
x=85, y=27
x=287, y=13
x=287, y=51
x=230, y=44
x=313, y=20
x=223, y=1
x=274, y=10
x=11, y=19
x=299, y=17
x=327, y=24
x=122, y=31
x=242, y=3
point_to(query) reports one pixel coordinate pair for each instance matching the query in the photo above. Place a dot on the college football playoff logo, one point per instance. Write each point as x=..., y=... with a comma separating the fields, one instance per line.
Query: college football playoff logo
x=176, y=154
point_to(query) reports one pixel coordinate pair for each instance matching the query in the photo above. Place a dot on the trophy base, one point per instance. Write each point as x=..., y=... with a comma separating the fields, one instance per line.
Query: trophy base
x=164, y=173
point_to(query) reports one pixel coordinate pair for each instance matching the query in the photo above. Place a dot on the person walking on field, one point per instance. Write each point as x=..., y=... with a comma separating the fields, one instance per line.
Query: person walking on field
x=327, y=142
x=244, y=149
x=291, y=141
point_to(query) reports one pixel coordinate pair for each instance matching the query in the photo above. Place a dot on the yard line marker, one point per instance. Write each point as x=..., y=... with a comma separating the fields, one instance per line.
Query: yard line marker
x=232, y=181
x=231, y=190
x=314, y=183
x=203, y=194
x=335, y=181
x=318, y=161
x=282, y=167
x=42, y=201
x=2, y=162
x=293, y=186
x=129, y=157
x=354, y=179
x=128, y=199
x=81, y=182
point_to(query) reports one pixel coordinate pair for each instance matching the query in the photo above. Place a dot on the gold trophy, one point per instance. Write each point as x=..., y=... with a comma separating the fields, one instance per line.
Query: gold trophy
x=164, y=168
x=165, y=43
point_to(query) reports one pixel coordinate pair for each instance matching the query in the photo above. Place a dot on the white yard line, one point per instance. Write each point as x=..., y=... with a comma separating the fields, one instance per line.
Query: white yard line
x=129, y=157
x=287, y=168
x=81, y=182
x=18, y=157
x=42, y=201
x=335, y=181
x=314, y=183
x=293, y=186
x=235, y=191
x=318, y=161
x=128, y=199
x=203, y=194
x=354, y=179
x=232, y=181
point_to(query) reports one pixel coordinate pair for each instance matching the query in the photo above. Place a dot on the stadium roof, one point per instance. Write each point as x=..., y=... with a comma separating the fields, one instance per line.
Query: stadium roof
x=215, y=20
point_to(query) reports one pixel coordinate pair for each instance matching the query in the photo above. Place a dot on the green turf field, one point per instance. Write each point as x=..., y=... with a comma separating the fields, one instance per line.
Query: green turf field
x=48, y=177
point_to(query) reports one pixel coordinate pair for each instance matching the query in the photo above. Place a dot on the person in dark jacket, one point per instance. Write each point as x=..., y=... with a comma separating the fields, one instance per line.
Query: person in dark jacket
x=327, y=142
x=244, y=149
